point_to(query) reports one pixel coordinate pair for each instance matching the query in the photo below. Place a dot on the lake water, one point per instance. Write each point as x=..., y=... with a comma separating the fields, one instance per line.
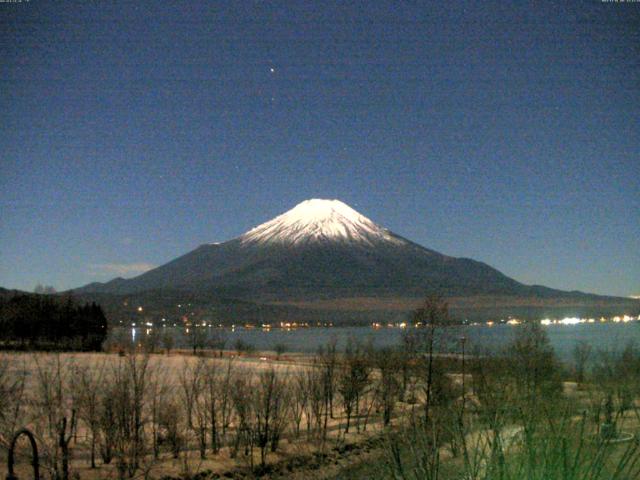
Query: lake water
x=601, y=336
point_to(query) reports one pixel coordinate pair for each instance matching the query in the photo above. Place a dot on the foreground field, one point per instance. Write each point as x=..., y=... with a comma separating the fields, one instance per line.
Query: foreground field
x=176, y=415
x=362, y=413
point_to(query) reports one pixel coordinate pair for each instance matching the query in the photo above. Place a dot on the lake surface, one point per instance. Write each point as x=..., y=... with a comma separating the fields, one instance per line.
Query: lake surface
x=601, y=336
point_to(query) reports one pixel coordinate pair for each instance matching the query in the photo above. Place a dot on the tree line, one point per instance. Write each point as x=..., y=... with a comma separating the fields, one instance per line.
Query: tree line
x=48, y=322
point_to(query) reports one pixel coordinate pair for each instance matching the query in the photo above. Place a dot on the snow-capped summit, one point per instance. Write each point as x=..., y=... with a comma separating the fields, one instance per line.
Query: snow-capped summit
x=319, y=220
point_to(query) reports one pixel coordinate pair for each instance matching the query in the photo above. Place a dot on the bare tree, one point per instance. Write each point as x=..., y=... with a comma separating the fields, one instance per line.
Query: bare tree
x=217, y=391
x=128, y=382
x=87, y=388
x=158, y=389
x=241, y=390
x=581, y=353
x=534, y=368
x=328, y=356
x=242, y=347
x=279, y=348
x=616, y=374
x=212, y=399
x=151, y=341
x=408, y=353
x=107, y=424
x=317, y=408
x=119, y=341
x=196, y=337
x=352, y=380
x=269, y=407
x=12, y=397
x=226, y=404
x=388, y=388
x=192, y=382
x=170, y=422
x=167, y=341
x=54, y=403
x=299, y=398
x=429, y=318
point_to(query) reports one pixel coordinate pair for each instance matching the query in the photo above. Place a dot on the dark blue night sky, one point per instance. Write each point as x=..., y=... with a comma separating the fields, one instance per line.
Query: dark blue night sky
x=132, y=132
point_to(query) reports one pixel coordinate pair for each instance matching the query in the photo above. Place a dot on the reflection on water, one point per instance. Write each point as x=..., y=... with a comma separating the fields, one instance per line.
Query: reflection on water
x=563, y=337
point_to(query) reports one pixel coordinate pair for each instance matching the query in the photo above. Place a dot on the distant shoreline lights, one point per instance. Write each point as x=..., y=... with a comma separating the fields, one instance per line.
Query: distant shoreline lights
x=517, y=321
x=577, y=321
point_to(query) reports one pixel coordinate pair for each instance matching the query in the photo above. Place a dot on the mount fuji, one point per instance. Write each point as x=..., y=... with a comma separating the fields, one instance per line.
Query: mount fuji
x=323, y=253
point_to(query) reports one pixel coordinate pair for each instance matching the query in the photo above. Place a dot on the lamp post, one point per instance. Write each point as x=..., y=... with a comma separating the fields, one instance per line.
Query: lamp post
x=463, y=340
